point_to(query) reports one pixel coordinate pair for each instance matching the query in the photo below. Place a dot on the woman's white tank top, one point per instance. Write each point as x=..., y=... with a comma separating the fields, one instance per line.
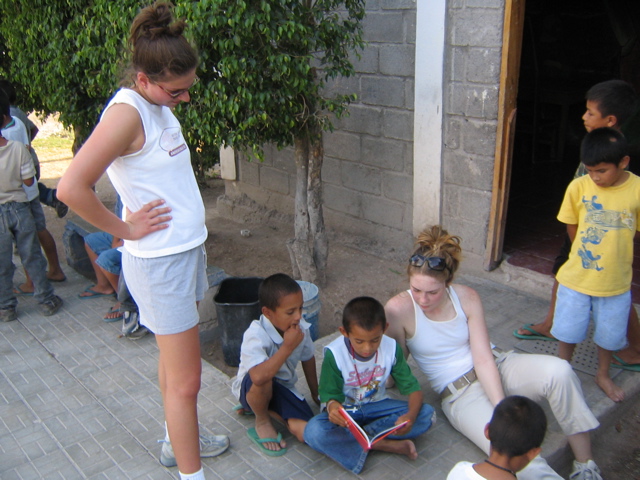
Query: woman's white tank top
x=441, y=349
x=161, y=169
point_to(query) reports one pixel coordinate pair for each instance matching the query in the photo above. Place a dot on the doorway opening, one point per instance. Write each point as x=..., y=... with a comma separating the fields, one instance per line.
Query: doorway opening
x=565, y=50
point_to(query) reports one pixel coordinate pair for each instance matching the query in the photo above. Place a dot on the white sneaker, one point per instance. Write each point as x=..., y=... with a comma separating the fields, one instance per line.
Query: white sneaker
x=210, y=446
x=585, y=471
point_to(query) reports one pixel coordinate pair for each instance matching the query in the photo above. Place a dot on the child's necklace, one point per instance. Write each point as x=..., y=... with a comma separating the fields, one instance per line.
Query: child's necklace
x=353, y=356
x=501, y=468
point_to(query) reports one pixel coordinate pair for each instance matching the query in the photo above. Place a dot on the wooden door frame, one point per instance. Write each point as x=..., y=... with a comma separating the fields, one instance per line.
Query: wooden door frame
x=513, y=26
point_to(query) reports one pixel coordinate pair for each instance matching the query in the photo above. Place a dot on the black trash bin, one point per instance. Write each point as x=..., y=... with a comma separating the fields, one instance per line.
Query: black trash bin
x=236, y=305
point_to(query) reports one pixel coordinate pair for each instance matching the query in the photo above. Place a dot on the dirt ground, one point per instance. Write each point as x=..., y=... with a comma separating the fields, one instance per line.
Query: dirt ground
x=350, y=273
x=619, y=444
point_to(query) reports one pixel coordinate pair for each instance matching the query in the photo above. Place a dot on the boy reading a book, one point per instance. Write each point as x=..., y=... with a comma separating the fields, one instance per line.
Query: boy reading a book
x=353, y=378
x=271, y=349
x=516, y=431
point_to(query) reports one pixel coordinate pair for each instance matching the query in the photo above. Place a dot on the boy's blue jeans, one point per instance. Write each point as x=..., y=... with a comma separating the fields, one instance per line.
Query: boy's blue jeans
x=339, y=444
x=16, y=223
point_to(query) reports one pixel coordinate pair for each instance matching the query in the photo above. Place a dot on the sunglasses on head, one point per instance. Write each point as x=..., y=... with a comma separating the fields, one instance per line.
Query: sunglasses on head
x=434, y=263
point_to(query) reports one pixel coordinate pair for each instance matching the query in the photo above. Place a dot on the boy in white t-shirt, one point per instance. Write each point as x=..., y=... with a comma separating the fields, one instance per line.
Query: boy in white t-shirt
x=516, y=431
x=271, y=349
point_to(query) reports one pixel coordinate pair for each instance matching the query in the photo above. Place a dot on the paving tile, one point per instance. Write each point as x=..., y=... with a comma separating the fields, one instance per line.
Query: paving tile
x=76, y=401
x=11, y=457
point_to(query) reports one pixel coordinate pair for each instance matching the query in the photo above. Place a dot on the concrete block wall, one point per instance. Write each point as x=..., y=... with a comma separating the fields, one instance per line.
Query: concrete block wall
x=368, y=169
x=471, y=79
x=367, y=174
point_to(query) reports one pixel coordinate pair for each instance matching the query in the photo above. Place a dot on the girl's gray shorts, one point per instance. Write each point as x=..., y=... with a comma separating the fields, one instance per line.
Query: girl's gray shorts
x=166, y=288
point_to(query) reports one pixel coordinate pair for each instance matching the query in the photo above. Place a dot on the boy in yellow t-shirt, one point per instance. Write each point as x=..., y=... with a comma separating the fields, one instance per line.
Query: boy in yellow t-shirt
x=601, y=211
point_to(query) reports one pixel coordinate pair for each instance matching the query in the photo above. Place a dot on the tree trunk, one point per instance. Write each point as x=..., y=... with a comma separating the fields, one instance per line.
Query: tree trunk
x=78, y=139
x=302, y=262
x=314, y=202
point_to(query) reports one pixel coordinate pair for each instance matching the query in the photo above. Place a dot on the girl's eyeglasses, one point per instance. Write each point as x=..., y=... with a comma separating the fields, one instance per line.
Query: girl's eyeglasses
x=177, y=93
x=434, y=263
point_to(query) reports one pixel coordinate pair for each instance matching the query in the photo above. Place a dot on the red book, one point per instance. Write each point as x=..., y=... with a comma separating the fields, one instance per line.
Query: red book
x=361, y=436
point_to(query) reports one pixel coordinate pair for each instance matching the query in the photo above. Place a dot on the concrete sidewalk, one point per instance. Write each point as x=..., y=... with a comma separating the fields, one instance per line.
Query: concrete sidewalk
x=77, y=401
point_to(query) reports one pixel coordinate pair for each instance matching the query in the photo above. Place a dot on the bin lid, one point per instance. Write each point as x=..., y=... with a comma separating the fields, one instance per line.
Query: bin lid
x=238, y=291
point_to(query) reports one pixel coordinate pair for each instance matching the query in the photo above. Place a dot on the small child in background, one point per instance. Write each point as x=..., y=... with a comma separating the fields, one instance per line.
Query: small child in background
x=354, y=373
x=271, y=349
x=601, y=210
x=516, y=432
x=17, y=170
x=47, y=195
x=13, y=129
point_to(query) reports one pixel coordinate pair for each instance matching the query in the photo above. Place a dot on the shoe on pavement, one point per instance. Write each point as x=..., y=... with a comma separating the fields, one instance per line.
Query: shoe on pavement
x=138, y=334
x=8, y=314
x=210, y=446
x=131, y=327
x=51, y=306
x=60, y=208
x=585, y=471
x=130, y=322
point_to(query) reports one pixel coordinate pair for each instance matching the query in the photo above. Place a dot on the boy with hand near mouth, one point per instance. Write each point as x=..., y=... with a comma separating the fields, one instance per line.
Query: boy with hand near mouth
x=271, y=349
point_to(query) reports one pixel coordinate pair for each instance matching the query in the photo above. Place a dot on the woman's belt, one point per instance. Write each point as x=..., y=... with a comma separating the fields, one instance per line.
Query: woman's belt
x=466, y=379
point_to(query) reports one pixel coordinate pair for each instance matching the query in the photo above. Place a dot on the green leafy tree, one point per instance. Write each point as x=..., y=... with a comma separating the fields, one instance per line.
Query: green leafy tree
x=265, y=68
x=4, y=58
x=65, y=55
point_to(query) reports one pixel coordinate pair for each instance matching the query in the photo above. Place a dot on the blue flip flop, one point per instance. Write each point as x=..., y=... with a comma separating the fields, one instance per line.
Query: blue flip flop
x=117, y=318
x=93, y=294
x=253, y=435
x=239, y=407
x=534, y=335
x=18, y=291
x=632, y=367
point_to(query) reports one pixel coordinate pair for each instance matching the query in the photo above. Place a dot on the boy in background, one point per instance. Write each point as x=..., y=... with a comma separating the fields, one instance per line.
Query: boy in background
x=354, y=375
x=13, y=129
x=271, y=349
x=601, y=211
x=516, y=432
x=16, y=170
x=608, y=104
x=47, y=195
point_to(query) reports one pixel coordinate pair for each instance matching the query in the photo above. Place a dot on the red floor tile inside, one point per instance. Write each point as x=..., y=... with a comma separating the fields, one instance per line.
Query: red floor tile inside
x=535, y=246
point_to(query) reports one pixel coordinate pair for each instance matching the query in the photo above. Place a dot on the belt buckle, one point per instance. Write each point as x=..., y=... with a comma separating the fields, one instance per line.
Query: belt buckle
x=453, y=387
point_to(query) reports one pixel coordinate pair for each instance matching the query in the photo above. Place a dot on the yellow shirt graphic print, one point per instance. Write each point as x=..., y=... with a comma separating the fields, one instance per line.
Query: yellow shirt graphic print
x=602, y=252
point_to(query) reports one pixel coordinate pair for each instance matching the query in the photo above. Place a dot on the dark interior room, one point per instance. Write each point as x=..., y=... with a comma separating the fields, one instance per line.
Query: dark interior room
x=567, y=47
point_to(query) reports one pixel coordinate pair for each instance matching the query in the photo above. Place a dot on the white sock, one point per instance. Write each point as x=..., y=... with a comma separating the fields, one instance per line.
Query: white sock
x=166, y=432
x=199, y=475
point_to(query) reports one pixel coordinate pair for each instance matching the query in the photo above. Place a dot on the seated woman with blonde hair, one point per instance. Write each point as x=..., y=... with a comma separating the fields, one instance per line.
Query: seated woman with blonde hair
x=442, y=325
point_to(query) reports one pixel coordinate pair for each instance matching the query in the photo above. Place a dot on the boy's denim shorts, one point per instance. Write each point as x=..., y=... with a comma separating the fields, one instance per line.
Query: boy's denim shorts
x=109, y=259
x=610, y=315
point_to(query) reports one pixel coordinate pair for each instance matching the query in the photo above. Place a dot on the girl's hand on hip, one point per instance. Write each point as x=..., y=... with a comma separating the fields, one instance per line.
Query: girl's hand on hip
x=150, y=218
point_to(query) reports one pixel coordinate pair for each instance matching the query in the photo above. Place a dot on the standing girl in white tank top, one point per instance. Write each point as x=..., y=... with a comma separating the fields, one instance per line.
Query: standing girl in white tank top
x=139, y=143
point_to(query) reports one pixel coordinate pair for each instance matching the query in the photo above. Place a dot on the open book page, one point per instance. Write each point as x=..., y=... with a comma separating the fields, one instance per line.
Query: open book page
x=361, y=436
